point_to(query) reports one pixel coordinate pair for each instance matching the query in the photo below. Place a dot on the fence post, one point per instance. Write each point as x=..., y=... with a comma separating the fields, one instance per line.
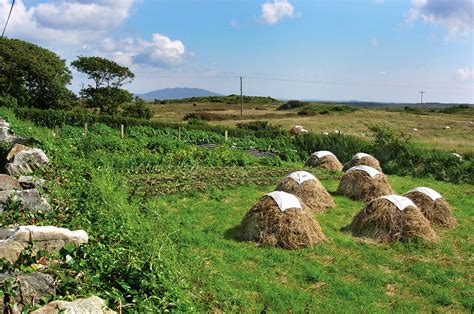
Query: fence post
x=56, y=131
x=226, y=135
x=122, y=131
x=179, y=134
x=85, y=129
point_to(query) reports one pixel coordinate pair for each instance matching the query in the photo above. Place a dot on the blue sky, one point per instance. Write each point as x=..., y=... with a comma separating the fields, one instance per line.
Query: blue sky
x=379, y=50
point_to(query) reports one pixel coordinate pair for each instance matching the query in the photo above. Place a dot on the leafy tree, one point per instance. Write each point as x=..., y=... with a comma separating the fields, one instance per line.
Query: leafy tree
x=137, y=109
x=106, y=99
x=104, y=73
x=33, y=75
x=108, y=76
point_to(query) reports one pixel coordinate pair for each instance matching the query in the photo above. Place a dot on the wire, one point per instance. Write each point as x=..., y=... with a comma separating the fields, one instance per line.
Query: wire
x=8, y=18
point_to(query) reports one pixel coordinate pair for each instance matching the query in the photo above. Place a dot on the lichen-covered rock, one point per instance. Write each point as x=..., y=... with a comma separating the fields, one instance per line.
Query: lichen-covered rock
x=88, y=305
x=26, y=199
x=29, y=289
x=50, y=238
x=29, y=182
x=25, y=160
x=8, y=183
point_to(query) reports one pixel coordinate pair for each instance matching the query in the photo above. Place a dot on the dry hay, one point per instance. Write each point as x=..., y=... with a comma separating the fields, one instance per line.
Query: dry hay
x=267, y=225
x=311, y=192
x=383, y=221
x=436, y=211
x=329, y=162
x=367, y=160
x=359, y=185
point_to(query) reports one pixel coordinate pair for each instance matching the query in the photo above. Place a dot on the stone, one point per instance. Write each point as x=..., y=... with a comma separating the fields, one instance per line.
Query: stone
x=30, y=289
x=8, y=183
x=88, y=305
x=15, y=150
x=50, y=238
x=25, y=161
x=27, y=200
x=29, y=182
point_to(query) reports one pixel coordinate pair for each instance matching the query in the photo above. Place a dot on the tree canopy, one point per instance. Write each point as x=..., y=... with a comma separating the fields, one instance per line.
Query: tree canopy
x=104, y=73
x=34, y=76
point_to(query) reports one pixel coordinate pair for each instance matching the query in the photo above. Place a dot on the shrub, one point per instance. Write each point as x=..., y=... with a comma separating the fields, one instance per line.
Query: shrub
x=8, y=101
x=291, y=105
x=138, y=109
x=208, y=116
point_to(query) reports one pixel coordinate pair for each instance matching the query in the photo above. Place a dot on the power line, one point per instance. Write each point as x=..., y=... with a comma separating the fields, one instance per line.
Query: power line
x=8, y=18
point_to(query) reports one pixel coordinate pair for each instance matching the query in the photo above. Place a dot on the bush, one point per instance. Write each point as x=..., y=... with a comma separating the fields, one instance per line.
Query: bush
x=253, y=125
x=208, y=116
x=291, y=105
x=8, y=101
x=314, y=110
x=138, y=109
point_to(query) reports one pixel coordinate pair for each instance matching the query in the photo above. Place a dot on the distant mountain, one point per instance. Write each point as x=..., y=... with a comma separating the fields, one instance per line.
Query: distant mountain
x=176, y=93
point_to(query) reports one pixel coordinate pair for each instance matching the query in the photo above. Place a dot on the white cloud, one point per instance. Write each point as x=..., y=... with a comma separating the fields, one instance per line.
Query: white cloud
x=161, y=51
x=455, y=15
x=273, y=12
x=465, y=74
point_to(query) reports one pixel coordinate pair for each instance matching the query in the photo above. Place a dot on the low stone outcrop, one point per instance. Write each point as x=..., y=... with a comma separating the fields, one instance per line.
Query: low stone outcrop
x=29, y=182
x=50, y=238
x=29, y=289
x=25, y=160
x=27, y=199
x=88, y=305
x=8, y=183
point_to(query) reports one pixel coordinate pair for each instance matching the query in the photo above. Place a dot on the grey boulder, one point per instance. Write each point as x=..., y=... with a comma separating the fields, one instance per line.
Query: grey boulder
x=88, y=305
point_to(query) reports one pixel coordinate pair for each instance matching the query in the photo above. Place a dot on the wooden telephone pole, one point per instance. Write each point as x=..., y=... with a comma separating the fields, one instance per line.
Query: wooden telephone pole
x=241, y=99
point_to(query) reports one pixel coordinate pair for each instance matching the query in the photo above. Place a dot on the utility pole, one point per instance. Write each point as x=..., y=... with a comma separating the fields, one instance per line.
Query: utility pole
x=8, y=18
x=421, y=97
x=241, y=99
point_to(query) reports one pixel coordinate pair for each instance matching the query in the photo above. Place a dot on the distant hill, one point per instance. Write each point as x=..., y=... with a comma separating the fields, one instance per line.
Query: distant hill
x=176, y=93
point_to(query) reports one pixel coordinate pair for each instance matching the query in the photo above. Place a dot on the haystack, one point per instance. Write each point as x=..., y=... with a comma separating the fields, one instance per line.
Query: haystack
x=308, y=189
x=362, y=159
x=363, y=183
x=279, y=219
x=324, y=159
x=392, y=218
x=433, y=206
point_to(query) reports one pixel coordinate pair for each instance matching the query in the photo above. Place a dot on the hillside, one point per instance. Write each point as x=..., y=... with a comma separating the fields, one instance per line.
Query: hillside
x=176, y=93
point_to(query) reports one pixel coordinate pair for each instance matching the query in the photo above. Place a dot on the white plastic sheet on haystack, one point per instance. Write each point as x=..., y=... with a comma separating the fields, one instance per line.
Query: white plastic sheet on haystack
x=323, y=153
x=285, y=200
x=360, y=156
x=301, y=176
x=401, y=202
x=371, y=171
x=428, y=192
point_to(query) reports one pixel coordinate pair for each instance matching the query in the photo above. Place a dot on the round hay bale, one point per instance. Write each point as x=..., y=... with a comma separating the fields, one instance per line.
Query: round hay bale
x=292, y=228
x=325, y=160
x=362, y=159
x=383, y=220
x=363, y=183
x=433, y=206
x=308, y=189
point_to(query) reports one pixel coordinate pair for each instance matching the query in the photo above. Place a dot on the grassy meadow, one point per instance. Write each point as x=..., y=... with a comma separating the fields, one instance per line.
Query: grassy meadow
x=161, y=215
x=459, y=138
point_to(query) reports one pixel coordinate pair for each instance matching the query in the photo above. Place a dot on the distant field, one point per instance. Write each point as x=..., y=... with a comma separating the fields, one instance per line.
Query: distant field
x=458, y=138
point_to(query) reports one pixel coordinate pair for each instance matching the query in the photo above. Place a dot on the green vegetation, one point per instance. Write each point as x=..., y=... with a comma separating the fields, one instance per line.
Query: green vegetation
x=161, y=212
x=33, y=76
x=318, y=109
x=231, y=99
x=292, y=104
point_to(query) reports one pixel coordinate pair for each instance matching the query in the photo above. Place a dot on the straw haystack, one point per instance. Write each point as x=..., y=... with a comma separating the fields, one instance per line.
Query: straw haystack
x=324, y=159
x=279, y=219
x=433, y=206
x=308, y=189
x=392, y=218
x=363, y=183
x=362, y=159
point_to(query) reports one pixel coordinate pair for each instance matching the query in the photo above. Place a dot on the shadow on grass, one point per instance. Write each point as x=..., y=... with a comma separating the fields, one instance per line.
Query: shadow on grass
x=233, y=233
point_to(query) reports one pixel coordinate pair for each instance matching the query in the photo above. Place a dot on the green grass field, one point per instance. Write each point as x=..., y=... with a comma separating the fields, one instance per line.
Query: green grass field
x=430, y=125
x=344, y=273
x=161, y=218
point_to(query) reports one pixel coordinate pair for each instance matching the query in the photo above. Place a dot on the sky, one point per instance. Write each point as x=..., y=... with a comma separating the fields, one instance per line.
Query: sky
x=372, y=50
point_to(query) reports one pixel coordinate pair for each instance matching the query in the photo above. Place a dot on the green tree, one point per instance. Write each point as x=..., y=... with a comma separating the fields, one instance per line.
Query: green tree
x=108, y=76
x=33, y=75
x=137, y=109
